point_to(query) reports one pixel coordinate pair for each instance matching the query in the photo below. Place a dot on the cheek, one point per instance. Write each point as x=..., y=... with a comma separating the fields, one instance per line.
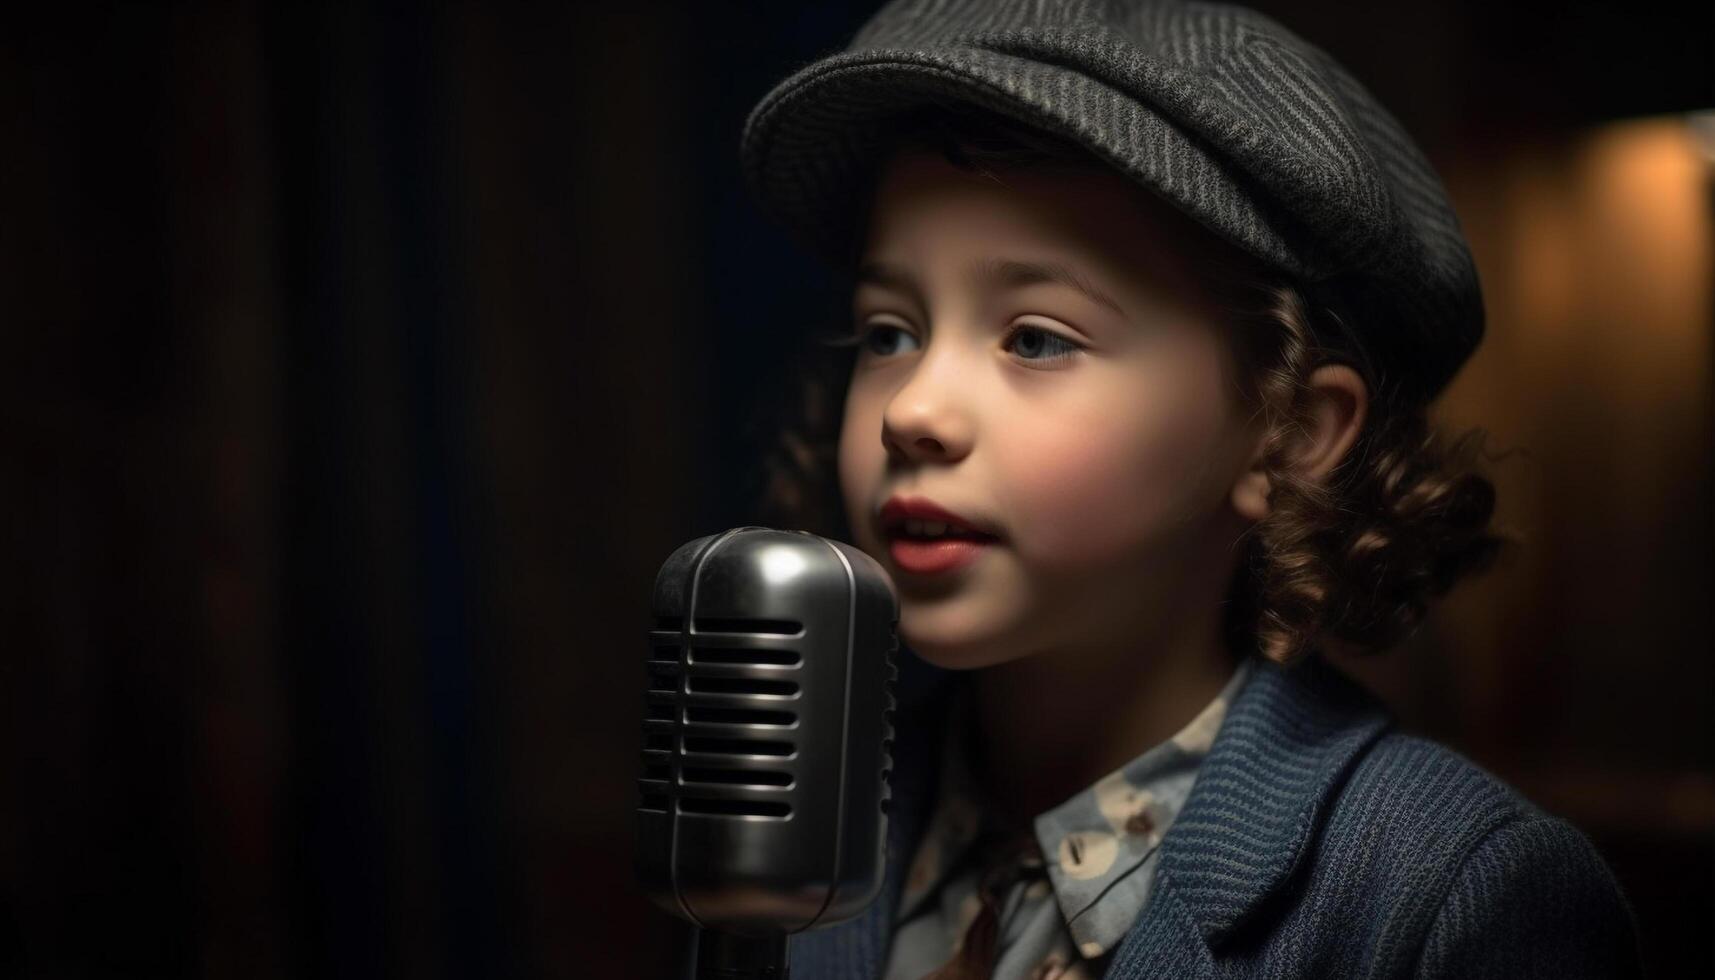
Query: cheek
x=1093, y=485
x=861, y=465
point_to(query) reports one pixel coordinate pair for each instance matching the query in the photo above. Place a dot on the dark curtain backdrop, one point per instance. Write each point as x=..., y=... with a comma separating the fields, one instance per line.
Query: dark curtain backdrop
x=364, y=361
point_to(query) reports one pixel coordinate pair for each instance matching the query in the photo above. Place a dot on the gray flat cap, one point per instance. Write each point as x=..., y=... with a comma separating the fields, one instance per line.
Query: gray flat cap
x=1241, y=124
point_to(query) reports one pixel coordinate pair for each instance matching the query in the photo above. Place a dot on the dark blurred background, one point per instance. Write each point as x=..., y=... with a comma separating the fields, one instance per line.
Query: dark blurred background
x=364, y=361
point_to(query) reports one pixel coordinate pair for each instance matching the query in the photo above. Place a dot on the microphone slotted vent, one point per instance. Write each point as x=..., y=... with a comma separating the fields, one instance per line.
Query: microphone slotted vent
x=718, y=726
x=778, y=658
x=767, y=627
x=736, y=747
x=742, y=685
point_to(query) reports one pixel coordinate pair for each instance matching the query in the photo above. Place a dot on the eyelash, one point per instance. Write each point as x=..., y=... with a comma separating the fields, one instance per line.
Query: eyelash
x=1068, y=349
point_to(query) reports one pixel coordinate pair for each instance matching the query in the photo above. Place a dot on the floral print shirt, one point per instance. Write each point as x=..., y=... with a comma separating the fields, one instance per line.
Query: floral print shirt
x=1063, y=895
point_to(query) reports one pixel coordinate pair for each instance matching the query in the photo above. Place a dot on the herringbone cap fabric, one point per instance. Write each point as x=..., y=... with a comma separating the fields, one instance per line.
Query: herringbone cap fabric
x=1241, y=124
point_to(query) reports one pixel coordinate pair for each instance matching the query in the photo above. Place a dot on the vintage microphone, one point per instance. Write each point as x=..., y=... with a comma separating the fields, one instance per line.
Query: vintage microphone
x=767, y=738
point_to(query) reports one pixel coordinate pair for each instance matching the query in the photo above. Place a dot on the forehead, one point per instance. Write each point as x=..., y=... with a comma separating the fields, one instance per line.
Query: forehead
x=924, y=207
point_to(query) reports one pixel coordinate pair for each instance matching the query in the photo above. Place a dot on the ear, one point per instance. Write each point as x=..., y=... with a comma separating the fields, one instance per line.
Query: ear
x=1338, y=402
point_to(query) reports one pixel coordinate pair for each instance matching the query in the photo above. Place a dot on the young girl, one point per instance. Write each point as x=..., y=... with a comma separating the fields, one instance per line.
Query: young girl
x=1147, y=302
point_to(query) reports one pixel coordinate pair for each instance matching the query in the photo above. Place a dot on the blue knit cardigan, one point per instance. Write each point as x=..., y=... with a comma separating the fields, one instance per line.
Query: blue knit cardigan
x=1318, y=841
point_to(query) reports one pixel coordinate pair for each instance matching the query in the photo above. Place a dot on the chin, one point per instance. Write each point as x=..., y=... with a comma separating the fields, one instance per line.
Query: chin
x=952, y=649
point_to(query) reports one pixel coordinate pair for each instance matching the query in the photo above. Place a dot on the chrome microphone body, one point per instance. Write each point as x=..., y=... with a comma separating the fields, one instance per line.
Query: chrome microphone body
x=767, y=739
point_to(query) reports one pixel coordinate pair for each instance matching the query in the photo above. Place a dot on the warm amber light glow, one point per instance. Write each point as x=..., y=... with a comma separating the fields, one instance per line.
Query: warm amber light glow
x=1597, y=256
x=1702, y=127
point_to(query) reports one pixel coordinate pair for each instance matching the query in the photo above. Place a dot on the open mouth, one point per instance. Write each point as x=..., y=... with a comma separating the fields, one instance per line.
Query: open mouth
x=913, y=529
x=924, y=538
x=932, y=548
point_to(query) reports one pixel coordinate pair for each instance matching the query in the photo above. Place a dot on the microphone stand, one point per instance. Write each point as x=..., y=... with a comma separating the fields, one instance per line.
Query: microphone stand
x=723, y=955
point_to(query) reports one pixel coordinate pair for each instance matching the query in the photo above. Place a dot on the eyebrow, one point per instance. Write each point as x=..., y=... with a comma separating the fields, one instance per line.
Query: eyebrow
x=1014, y=273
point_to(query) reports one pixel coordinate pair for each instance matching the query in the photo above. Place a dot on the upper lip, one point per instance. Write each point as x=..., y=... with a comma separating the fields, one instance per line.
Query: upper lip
x=898, y=510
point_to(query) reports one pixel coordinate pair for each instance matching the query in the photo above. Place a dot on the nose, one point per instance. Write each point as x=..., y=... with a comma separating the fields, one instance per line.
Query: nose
x=928, y=419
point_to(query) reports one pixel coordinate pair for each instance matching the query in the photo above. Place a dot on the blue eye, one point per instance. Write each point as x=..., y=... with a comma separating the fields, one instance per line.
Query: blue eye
x=1028, y=341
x=876, y=338
x=1035, y=343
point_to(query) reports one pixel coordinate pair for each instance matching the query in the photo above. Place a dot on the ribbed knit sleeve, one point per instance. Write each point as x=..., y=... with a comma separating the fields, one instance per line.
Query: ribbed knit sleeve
x=1533, y=899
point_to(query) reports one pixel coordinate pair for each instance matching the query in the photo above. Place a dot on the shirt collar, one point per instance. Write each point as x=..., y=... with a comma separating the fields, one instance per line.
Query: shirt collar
x=1091, y=843
x=1289, y=740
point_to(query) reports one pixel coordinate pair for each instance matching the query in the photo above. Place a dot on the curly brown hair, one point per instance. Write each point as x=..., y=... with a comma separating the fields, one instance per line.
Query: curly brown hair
x=1345, y=565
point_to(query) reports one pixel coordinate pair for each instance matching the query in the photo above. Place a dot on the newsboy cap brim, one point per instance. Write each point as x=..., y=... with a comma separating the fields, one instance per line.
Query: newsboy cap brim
x=1256, y=134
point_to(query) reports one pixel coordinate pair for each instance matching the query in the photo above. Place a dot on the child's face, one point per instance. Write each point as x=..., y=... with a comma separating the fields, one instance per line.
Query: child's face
x=1100, y=443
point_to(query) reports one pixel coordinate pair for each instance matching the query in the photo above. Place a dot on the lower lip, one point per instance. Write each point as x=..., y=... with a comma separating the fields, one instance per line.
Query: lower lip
x=934, y=557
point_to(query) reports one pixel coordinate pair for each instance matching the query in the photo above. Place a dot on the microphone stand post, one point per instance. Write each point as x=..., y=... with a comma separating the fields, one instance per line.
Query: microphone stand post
x=723, y=955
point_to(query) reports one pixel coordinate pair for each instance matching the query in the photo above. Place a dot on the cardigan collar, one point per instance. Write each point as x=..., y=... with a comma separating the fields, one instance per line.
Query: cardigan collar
x=1288, y=740
x=1286, y=747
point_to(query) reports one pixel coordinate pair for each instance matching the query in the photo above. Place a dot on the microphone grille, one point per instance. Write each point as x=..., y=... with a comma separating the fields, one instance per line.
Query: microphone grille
x=722, y=710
